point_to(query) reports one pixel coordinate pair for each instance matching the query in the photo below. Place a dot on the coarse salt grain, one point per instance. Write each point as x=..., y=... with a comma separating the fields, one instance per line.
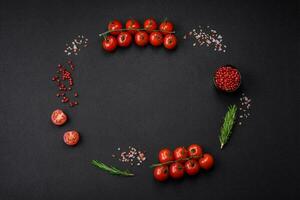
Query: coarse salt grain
x=244, y=107
x=133, y=156
x=76, y=45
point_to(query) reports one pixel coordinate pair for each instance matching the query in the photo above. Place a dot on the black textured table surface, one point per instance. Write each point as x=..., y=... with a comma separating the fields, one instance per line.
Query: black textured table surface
x=149, y=98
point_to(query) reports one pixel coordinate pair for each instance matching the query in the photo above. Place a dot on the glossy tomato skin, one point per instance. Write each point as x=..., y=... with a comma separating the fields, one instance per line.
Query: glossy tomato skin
x=161, y=173
x=192, y=167
x=156, y=38
x=180, y=153
x=207, y=161
x=170, y=41
x=109, y=43
x=150, y=25
x=114, y=25
x=71, y=138
x=176, y=170
x=58, y=117
x=141, y=38
x=166, y=27
x=195, y=150
x=124, y=39
x=132, y=24
x=165, y=155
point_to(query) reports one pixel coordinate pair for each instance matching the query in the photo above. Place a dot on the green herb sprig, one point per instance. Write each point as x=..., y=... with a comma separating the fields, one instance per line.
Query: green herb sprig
x=228, y=123
x=110, y=169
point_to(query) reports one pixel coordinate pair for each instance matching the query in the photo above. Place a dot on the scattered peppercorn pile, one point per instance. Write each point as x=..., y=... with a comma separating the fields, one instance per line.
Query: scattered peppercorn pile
x=150, y=33
x=227, y=78
x=175, y=164
x=206, y=36
x=64, y=81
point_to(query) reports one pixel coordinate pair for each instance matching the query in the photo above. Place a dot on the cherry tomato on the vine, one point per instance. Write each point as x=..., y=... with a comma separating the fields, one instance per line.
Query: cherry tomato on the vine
x=132, y=24
x=109, y=43
x=124, y=39
x=71, y=138
x=58, y=117
x=114, y=25
x=176, y=170
x=161, y=173
x=150, y=25
x=192, y=167
x=195, y=150
x=170, y=41
x=180, y=153
x=156, y=38
x=207, y=161
x=165, y=155
x=166, y=27
x=141, y=38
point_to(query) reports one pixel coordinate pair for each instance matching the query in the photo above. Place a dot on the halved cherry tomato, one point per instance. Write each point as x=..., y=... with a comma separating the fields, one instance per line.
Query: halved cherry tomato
x=170, y=41
x=165, y=155
x=207, y=161
x=166, y=27
x=71, y=138
x=58, y=117
x=180, y=153
x=192, y=167
x=141, y=38
x=195, y=150
x=109, y=43
x=161, y=173
x=114, y=25
x=150, y=25
x=156, y=38
x=176, y=170
x=124, y=39
x=132, y=24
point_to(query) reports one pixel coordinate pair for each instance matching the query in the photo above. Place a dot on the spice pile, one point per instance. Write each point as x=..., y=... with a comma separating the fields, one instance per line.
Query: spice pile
x=64, y=82
x=207, y=36
x=76, y=45
x=227, y=78
x=132, y=156
x=244, y=109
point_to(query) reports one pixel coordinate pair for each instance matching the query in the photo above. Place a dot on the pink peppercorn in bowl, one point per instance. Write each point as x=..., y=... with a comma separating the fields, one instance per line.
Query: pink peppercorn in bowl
x=227, y=78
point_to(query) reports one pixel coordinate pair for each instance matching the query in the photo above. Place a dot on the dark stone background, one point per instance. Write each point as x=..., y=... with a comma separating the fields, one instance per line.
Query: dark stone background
x=149, y=98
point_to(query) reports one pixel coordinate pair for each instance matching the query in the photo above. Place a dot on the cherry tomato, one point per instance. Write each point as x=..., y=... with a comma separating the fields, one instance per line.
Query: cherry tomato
x=165, y=155
x=114, y=25
x=150, y=25
x=161, y=173
x=180, y=153
x=132, y=24
x=109, y=43
x=58, y=117
x=141, y=38
x=195, y=150
x=176, y=170
x=166, y=27
x=170, y=41
x=156, y=38
x=124, y=39
x=71, y=138
x=192, y=167
x=207, y=161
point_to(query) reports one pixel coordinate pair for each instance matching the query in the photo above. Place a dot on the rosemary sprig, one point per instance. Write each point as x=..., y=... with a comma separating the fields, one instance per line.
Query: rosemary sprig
x=110, y=169
x=228, y=123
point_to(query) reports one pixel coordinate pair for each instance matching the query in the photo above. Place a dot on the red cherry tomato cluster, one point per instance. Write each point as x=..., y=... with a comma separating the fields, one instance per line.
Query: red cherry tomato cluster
x=150, y=33
x=59, y=118
x=175, y=164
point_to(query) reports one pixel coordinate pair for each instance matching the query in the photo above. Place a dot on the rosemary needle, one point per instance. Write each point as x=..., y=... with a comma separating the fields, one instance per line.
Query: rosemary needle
x=110, y=169
x=228, y=123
